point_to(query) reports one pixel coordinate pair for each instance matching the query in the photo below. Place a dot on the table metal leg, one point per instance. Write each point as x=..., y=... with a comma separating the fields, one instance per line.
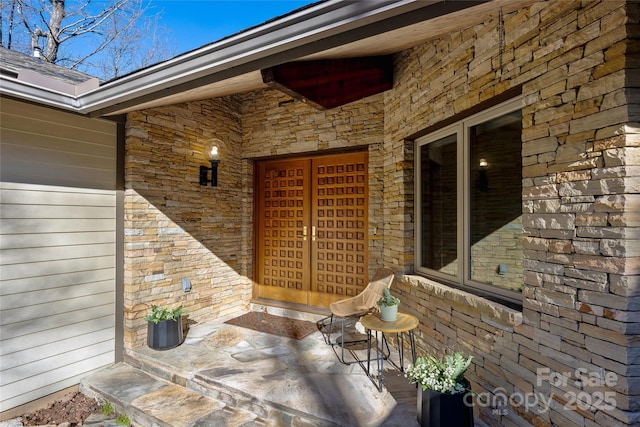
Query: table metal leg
x=342, y=339
x=380, y=359
x=412, y=342
x=387, y=345
x=368, y=351
x=400, y=338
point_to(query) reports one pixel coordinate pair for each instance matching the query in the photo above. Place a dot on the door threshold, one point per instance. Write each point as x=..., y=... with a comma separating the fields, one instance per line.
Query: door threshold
x=288, y=307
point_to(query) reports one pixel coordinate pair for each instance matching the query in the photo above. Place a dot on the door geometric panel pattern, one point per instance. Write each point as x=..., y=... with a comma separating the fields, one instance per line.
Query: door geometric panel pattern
x=283, y=258
x=311, y=235
x=340, y=217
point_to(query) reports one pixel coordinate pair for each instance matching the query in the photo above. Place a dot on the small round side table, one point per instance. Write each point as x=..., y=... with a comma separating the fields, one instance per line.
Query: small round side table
x=405, y=323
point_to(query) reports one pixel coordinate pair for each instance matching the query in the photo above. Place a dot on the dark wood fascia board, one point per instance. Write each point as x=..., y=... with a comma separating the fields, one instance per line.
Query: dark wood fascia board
x=330, y=83
x=269, y=79
x=310, y=154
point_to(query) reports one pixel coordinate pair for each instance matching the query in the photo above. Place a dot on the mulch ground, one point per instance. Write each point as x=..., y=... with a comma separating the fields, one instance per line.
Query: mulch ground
x=73, y=408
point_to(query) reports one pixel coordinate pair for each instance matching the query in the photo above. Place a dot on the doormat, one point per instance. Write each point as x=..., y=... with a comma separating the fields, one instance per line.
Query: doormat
x=276, y=325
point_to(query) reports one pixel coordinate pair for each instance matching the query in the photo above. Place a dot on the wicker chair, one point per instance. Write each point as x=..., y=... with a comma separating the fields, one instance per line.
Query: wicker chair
x=357, y=306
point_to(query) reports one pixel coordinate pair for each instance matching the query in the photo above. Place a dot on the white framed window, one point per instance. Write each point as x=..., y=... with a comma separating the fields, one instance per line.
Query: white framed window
x=469, y=202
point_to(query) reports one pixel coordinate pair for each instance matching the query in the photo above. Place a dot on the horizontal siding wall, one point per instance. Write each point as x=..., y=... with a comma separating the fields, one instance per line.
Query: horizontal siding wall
x=44, y=146
x=57, y=250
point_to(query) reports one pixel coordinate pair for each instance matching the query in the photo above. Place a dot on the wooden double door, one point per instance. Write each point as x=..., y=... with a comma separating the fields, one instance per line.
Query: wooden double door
x=311, y=228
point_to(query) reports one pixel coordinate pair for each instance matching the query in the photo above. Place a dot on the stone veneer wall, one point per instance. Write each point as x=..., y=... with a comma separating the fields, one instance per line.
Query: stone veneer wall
x=175, y=228
x=581, y=296
x=580, y=182
x=273, y=125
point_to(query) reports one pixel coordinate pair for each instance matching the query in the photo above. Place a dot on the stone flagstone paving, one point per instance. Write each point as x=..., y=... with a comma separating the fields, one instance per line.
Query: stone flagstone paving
x=237, y=376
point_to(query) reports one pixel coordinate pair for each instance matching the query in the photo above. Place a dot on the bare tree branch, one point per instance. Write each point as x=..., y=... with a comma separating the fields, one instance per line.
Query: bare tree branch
x=8, y=22
x=90, y=35
x=90, y=23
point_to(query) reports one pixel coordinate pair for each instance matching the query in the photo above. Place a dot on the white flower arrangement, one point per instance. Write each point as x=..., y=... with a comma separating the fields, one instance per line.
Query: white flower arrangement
x=444, y=376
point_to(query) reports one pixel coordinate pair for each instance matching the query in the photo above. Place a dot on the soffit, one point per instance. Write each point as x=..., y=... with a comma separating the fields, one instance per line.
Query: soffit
x=386, y=43
x=413, y=35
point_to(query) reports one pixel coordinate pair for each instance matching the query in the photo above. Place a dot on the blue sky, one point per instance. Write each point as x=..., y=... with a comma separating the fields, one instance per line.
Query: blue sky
x=194, y=23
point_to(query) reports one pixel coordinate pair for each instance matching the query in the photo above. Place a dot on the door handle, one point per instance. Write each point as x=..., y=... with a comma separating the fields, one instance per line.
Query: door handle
x=304, y=232
x=313, y=233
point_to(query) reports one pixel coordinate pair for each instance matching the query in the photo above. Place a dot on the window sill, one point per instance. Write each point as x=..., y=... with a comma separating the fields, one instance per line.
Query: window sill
x=491, y=312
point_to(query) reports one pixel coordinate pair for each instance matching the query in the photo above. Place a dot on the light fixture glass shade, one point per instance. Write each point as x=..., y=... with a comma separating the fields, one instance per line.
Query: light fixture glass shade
x=212, y=148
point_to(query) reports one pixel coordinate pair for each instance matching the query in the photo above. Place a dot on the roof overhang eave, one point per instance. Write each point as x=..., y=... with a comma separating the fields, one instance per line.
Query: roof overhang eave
x=311, y=30
x=322, y=26
x=12, y=87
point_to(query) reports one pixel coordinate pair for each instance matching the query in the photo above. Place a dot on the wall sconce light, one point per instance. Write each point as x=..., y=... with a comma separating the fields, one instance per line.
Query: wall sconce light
x=204, y=171
x=483, y=181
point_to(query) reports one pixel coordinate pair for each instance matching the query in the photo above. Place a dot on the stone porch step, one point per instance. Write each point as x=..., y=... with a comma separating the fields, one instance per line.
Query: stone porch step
x=152, y=402
x=233, y=400
x=154, y=394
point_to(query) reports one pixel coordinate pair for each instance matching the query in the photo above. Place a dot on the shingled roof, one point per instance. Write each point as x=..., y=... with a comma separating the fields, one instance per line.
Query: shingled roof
x=12, y=62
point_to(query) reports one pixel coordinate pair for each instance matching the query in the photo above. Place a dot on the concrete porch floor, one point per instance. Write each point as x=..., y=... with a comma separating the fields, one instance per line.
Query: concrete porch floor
x=224, y=375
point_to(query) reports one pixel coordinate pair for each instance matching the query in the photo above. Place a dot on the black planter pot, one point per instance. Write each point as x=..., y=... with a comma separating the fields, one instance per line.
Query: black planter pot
x=436, y=409
x=165, y=334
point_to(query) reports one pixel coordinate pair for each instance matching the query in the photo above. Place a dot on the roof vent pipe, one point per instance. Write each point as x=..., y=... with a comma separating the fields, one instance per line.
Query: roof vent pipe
x=35, y=48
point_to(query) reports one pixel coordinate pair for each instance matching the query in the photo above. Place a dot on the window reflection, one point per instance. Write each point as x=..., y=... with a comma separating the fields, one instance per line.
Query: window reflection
x=439, y=195
x=496, y=201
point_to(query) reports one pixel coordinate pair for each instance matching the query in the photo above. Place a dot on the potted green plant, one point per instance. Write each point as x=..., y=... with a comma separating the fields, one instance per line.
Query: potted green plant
x=164, y=327
x=388, y=305
x=443, y=391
